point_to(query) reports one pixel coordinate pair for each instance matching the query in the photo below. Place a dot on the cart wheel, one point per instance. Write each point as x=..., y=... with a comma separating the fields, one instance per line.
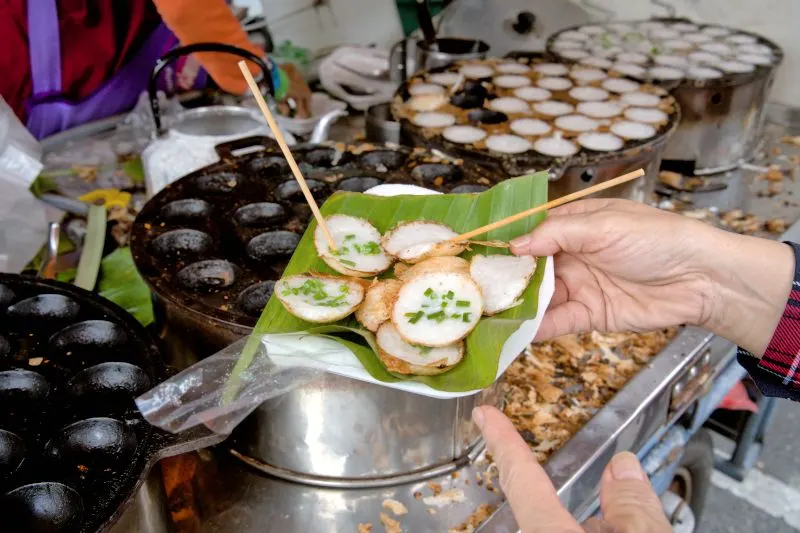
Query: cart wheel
x=693, y=477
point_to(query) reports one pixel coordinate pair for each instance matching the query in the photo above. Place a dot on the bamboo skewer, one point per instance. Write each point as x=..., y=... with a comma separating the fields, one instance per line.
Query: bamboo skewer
x=262, y=104
x=549, y=205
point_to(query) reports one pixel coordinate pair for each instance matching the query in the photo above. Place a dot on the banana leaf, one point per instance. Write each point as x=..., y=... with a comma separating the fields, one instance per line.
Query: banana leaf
x=121, y=283
x=462, y=212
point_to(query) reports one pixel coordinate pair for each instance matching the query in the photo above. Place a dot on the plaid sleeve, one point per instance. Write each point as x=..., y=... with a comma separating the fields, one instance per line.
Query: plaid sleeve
x=777, y=373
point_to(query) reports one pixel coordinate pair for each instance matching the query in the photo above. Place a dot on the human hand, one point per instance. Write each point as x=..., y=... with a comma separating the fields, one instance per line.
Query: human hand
x=627, y=500
x=298, y=91
x=623, y=266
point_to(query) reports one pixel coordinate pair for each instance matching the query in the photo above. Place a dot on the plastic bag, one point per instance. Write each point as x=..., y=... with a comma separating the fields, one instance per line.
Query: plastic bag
x=220, y=391
x=23, y=219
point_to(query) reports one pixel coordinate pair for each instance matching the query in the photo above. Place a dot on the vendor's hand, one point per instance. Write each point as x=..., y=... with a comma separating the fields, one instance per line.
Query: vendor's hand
x=627, y=501
x=298, y=91
x=621, y=266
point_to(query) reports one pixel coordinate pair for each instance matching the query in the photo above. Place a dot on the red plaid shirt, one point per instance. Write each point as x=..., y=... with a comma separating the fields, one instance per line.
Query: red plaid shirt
x=777, y=373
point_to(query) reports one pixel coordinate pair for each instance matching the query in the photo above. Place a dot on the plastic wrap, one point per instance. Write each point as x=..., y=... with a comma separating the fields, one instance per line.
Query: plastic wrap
x=221, y=390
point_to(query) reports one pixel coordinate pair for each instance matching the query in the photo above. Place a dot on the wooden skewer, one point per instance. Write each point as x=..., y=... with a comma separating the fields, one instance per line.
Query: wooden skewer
x=262, y=104
x=549, y=205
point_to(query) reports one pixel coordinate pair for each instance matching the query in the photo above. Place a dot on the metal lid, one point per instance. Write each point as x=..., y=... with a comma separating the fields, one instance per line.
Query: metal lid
x=508, y=25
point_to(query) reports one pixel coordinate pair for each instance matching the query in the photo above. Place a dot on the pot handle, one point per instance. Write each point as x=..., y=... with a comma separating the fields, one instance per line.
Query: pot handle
x=399, y=66
x=557, y=170
x=225, y=150
x=152, y=86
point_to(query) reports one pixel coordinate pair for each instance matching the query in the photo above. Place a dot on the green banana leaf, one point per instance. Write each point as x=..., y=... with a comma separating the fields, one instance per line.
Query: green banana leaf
x=121, y=283
x=462, y=212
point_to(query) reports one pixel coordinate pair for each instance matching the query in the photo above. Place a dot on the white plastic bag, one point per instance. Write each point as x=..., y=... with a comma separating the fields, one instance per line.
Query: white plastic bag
x=23, y=219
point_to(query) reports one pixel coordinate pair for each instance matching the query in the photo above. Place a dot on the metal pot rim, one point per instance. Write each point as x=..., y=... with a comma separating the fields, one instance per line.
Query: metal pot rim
x=725, y=81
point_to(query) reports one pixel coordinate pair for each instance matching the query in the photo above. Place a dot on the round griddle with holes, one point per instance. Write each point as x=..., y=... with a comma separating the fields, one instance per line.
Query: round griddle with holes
x=73, y=446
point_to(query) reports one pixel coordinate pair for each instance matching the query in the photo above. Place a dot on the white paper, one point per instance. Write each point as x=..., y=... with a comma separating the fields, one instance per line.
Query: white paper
x=326, y=354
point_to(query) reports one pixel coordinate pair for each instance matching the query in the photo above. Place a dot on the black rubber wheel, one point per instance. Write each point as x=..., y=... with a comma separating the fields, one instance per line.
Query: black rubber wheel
x=693, y=477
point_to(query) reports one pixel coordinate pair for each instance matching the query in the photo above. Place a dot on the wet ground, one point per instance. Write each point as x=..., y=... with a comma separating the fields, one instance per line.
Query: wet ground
x=768, y=501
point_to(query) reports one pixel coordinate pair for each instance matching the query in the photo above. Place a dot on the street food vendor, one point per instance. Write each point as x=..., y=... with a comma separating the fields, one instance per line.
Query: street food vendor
x=623, y=266
x=69, y=62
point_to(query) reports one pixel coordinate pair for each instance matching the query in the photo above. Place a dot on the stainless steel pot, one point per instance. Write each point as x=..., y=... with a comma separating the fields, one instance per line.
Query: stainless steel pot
x=380, y=126
x=722, y=118
x=339, y=432
x=437, y=53
x=581, y=173
x=722, y=123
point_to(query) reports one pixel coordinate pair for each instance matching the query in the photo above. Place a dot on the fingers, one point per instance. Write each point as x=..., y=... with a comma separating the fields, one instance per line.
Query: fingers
x=598, y=525
x=627, y=499
x=530, y=492
x=574, y=227
x=558, y=233
x=564, y=319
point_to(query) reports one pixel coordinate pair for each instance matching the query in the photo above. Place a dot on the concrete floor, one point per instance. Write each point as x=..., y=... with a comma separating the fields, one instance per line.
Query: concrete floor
x=768, y=501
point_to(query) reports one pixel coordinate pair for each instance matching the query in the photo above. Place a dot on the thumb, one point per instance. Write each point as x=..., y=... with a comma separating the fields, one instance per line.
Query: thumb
x=627, y=499
x=570, y=233
x=529, y=491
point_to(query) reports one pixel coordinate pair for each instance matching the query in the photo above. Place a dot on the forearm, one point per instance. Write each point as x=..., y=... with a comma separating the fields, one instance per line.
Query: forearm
x=750, y=280
x=194, y=21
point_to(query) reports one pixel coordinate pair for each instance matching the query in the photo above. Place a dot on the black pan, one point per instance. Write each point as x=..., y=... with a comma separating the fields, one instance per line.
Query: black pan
x=73, y=447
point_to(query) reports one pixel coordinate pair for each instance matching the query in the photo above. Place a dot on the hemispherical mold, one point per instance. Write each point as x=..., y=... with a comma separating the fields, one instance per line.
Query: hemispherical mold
x=207, y=276
x=259, y=214
x=217, y=182
x=272, y=245
x=182, y=242
x=358, y=184
x=487, y=116
x=255, y=297
x=467, y=100
x=289, y=191
x=45, y=507
x=116, y=380
x=95, y=335
x=5, y=347
x=94, y=443
x=188, y=209
x=6, y=297
x=437, y=174
x=322, y=157
x=469, y=188
x=384, y=159
x=22, y=386
x=269, y=165
x=12, y=452
x=45, y=307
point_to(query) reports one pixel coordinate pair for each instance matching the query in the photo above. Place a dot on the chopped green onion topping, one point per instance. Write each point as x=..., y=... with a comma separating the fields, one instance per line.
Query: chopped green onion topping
x=462, y=303
x=349, y=237
x=429, y=293
x=413, y=318
x=466, y=316
x=315, y=289
x=347, y=262
x=449, y=295
x=438, y=316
